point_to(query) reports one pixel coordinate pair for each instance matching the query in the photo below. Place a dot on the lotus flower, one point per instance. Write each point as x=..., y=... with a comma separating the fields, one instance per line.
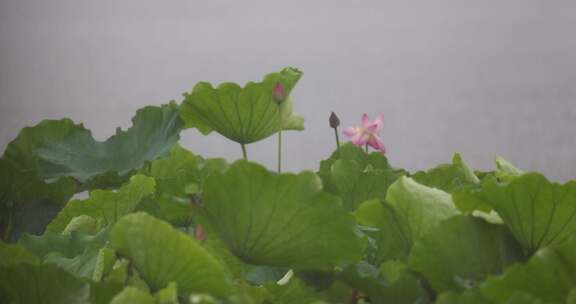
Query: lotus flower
x=367, y=133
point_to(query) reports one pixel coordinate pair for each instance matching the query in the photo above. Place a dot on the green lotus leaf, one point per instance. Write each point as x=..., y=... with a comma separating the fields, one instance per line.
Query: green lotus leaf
x=461, y=252
x=571, y=299
x=243, y=114
x=448, y=177
x=11, y=255
x=105, y=205
x=260, y=275
x=390, y=233
x=369, y=165
x=162, y=255
x=548, y=276
x=45, y=283
x=68, y=245
x=538, y=212
x=27, y=204
x=237, y=268
x=105, y=261
x=295, y=291
x=168, y=295
x=81, y=266
x=392, y=283
x=421, y=208
x=75, y=252
x=173, y=174
x=56, y=149
x=409, y=212
x=83, y=224
x=179, y=181
x=355, y=184
x=506, y=167
x=132, y=295
x=102, y=291
x=279, y=220
x=469, y=203
x=467, y=297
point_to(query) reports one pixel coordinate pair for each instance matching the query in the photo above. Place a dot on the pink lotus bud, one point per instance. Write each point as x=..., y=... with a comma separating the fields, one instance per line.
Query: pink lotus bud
x=279, y=93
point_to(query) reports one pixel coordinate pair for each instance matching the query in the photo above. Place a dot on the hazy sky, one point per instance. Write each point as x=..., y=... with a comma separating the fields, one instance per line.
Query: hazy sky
x=477, y=77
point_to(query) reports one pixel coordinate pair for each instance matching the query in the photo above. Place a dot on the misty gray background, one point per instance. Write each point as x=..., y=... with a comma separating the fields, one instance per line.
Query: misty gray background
x=477, y=77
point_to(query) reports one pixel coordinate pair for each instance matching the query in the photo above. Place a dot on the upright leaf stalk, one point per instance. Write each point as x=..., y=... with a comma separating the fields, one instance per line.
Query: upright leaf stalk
x=244, y=154
x=279, y=95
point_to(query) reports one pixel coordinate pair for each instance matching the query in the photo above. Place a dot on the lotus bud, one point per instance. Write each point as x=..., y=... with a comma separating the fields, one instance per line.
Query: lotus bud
x=334, y=121
x=279, y=93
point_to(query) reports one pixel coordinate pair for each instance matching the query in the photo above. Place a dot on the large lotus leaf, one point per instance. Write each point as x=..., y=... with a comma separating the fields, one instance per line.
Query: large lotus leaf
x=356, y=184
x=92, y=263
x=162, y=255
x=548, y=276
x=505, y=169
x=11, y=255
x=469, y=203
x=103, y=290
x=260, y=275
x=410, y=211
x=106, y=205
x=374, y=162
x=279, y=220
x=61, y=148
x=293, y=292
x=389, y=235
x=244, y=115
x=538, y=212
x=27, y=217
x=104, y=263
x=46, y=283
x=75, y=252
x=238, y=269
x=421, y=208
x=217, y=248
x=462, y=251
x=179, y=180
x=571, y=299
x=167, y=295
x=132, y=295
x=467, y=297
x=68, y=245
x=448, y=177
x=392, y=283
x=27, y=204
x=81, y=266
x=17, y=185
x=174, y=175
x=83, y=224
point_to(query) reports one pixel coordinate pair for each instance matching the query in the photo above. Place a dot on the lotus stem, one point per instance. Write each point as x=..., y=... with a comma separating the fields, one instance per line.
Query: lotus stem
x=244, y=154
x=280, y=151
x=279, y=139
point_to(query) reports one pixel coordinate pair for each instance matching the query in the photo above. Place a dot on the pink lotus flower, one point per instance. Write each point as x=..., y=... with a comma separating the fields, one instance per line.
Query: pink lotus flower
x=367, y=134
